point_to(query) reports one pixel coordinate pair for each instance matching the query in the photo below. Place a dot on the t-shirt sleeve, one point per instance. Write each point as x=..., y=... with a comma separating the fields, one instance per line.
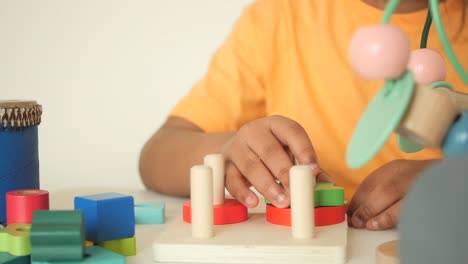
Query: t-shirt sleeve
x=232, y=92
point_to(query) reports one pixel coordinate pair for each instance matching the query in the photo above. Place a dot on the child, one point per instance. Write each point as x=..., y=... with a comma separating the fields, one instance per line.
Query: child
x=281, y=86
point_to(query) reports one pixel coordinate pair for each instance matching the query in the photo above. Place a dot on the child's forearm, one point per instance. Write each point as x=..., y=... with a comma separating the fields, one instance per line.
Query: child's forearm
x=167, y=157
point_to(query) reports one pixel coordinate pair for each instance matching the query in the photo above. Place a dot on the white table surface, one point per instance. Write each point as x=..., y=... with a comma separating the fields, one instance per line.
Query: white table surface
x=361, y=243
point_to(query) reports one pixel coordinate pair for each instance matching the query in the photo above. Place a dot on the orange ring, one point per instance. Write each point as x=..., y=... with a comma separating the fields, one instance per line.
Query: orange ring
x=323, y=215
x=231, y=212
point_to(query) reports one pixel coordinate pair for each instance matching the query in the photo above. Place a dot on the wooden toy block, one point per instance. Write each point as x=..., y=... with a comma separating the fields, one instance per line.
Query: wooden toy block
x=150, y=213
x=20, y=205
x=324, y=216
x=326, y=194
x=108, y=216
x=57, y=236
x=6, y=258
x=15, y=239
x=94, y=255
x=230, y=212
x=255, y=240
x=124, y=247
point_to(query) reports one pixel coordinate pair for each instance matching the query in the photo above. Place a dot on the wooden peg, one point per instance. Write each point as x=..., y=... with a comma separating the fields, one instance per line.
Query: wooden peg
x=201, y=196
x=216, y=163
x=302, y=183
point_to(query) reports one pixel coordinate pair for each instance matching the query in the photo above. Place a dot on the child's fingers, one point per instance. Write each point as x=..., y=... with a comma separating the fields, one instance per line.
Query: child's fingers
x=361, y=194
x=321, y=174
x=238, y=187
x=293, y=135
x=362, y=206
x=386, y=219
x=273, y=155
x=256, y=173
x=377, y=201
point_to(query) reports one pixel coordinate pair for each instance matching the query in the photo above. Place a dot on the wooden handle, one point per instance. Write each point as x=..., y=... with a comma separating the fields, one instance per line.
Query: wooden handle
x=460, y=100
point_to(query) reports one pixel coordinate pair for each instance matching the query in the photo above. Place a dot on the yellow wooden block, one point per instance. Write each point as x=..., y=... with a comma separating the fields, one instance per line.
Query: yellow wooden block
x=125, y=246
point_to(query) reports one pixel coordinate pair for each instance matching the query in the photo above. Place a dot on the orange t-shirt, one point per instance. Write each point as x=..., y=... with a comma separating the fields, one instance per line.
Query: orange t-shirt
x=290, y=58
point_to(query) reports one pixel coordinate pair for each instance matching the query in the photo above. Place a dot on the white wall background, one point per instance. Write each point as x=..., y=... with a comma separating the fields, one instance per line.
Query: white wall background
x=106, y=72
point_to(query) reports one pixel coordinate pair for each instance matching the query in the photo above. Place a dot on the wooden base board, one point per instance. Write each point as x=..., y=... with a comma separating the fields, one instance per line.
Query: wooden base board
x=253, y=241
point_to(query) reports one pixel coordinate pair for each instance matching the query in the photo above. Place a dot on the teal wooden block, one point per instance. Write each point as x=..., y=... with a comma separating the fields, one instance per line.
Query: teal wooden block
x=57, y=236
x=94, y=255
x=150, y=213
x=6, y=258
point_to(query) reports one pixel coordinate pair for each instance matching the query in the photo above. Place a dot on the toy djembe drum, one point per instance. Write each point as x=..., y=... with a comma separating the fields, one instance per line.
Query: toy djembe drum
x=19, y=157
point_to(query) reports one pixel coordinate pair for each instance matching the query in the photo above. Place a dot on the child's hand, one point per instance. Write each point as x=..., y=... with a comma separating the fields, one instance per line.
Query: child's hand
x=376, y=203
x=262, y=152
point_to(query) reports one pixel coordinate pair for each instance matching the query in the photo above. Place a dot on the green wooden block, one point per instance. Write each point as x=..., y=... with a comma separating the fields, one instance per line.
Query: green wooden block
x=125, y=247
x=15, y=239
x=150, y=213
x=57, y=236
x=72, y=217
x=6, y=258
x=94, y=255
x=326, y=194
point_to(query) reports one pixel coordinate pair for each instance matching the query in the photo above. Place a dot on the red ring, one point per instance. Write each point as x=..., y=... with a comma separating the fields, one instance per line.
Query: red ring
x=231, y=212
x=323, y=215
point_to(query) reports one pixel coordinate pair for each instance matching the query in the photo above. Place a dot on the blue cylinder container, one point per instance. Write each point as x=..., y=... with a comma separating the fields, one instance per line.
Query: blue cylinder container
x=19, y=155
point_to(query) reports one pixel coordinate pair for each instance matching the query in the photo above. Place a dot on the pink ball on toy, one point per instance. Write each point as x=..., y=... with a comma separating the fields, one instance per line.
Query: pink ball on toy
x=427, y=66
x=379, y=52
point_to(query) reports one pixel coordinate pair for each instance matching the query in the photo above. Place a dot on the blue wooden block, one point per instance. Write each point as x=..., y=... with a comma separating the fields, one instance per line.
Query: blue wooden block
x=94, y=255
x=150, y=213
x=6, y=258
x=456, y=141
x=108, y=216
